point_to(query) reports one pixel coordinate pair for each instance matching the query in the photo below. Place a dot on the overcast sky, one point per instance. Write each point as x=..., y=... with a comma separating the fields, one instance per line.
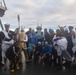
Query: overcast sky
x=50, y=13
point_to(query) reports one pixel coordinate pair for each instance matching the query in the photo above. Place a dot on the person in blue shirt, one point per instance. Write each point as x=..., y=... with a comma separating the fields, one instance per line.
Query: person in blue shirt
x=46, y=52
x=32, y=38
x=32, y=42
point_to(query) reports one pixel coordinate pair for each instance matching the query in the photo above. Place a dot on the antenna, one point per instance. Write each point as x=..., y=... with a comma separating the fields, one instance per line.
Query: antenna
x=64, y=26
x=37, y=24
x=41, y=25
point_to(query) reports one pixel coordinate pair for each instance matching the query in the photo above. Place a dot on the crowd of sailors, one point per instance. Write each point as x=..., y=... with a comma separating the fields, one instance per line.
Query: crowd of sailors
x=49, y=47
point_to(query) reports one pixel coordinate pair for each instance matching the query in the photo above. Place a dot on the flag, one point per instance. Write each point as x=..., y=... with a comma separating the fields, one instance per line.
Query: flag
x=18, y=18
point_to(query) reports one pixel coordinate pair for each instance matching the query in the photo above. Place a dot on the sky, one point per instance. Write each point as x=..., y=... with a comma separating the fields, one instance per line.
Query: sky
x=49, y=13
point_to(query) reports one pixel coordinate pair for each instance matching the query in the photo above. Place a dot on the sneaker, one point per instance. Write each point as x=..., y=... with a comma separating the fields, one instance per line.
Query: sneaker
x=1, y=64
x=20, y=63
x=17, y=67
x=5, y=67
x=12, y=70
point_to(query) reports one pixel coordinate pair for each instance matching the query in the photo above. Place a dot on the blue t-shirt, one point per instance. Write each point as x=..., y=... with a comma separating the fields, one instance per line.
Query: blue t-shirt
x=47, y=50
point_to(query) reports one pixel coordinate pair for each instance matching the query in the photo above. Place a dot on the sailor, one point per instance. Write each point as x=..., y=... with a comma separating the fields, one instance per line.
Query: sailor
x=23, y=46
x=46, y=53
x=60, y=44
x=17, y=34
x=12, y=54
x=1, y=49
x=39, y=33
x=73, y=33
x=7, y=41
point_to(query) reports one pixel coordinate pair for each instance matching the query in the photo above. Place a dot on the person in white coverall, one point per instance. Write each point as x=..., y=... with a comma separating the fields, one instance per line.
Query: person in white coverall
x=73, y=33
x=7, y=41
x=60, y=44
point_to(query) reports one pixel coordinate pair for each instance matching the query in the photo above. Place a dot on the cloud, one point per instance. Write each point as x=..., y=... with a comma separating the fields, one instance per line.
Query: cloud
x=50, y=13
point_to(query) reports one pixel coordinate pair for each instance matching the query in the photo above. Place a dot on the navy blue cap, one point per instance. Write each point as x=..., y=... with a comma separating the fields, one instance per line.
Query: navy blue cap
x=7, y=25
